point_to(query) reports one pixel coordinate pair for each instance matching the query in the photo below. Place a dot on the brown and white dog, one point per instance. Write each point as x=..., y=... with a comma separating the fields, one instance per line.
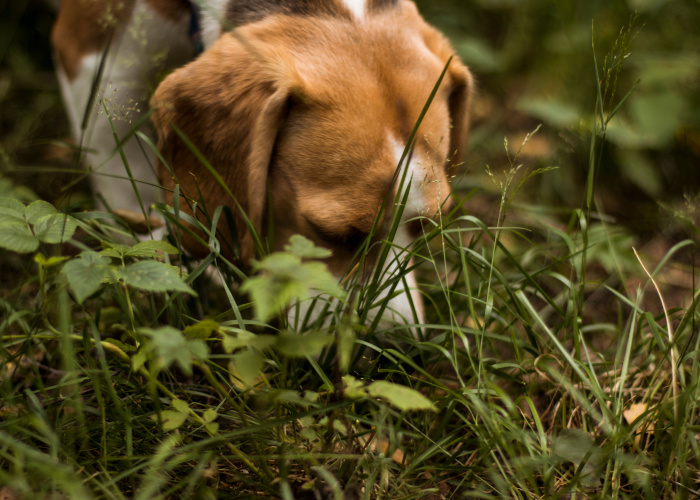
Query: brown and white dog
x=306, y=103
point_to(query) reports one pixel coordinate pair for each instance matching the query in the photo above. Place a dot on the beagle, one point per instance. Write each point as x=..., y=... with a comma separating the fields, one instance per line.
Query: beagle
x=303, y=107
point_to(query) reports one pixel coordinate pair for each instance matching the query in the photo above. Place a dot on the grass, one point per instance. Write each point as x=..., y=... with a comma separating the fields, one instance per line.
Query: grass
x=556, y=361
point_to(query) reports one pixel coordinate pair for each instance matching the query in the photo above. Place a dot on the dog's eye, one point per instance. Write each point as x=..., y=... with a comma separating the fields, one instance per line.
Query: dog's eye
x=350, y=237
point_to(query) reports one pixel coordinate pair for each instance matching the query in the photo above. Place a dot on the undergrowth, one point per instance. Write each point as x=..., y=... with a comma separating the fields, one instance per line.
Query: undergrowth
x=132, y=371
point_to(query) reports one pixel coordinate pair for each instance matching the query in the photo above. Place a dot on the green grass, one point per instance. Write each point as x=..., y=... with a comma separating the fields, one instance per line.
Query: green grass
x=551, y=364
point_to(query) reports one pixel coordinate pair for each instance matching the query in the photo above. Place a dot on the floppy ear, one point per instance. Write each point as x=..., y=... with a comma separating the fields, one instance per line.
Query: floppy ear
x=459, y=104
x=458, y=80
x=229, y=104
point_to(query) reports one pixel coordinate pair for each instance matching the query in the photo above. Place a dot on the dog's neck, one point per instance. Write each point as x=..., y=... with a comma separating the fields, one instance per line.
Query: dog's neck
x=240, y=12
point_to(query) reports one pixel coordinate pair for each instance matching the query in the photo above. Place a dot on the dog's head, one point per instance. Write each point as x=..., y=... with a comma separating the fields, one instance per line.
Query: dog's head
x=315, y=111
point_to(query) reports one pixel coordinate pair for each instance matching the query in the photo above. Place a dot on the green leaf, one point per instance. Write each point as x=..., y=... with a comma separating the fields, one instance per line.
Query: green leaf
x=210, y=415
x=150, y=248
x=55, y=228
x=111, y=252
x=11, y=210
x=247, y=339
x=115, y=250
x=285, y=278
x=202, y=330
x=354, y=389
x=153, y=276
x=8, y=189
x=139, y=359
x=309, y=434
x=179, y=271
x=271, y=295
x=247, y=366
x=300, y=346
x=87, y=274
x=16, y=236
x=171, y=419
x=50, y=262
x=668, y=69
x=38, y=209
x=556, y=113
x=399, y=396
x=305, y=248
x=168, y=345
x=658, y=116
x=340, y=427
x=180, y=405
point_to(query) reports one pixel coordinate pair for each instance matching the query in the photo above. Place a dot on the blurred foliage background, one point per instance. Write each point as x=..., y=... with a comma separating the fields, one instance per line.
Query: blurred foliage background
x=533, y=61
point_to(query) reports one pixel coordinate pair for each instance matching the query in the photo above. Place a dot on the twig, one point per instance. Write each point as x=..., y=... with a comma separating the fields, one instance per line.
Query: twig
x=669, y=326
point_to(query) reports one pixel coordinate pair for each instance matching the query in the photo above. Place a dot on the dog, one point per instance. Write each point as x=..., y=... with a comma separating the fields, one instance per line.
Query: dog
x=303, y=107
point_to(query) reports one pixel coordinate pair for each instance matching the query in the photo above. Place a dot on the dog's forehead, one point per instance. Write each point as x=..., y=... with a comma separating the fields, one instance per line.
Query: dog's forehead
x=348, y=126
x=341, y=52
x=360, y=91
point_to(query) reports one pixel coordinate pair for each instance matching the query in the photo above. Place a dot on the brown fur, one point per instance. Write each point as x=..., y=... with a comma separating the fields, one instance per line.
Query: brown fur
x=84, y=27
x=303, y=105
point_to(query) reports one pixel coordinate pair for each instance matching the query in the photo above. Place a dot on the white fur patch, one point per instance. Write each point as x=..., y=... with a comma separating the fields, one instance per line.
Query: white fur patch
x=76, y=91
x=212, y=18
x=416, y=175
x=399, y=307
x=306, y=313
x=356, y=7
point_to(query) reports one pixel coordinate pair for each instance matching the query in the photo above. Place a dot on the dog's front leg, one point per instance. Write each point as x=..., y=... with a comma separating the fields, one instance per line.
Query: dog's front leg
x=110, y=56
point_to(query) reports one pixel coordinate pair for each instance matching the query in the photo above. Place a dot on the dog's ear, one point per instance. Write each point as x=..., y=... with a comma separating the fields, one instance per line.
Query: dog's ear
x=229, y=105
x=460, y=104
x=458, y=80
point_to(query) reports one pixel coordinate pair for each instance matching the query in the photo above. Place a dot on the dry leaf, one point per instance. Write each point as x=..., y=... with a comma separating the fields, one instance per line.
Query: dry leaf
x=382, y=446
x=632, y=414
